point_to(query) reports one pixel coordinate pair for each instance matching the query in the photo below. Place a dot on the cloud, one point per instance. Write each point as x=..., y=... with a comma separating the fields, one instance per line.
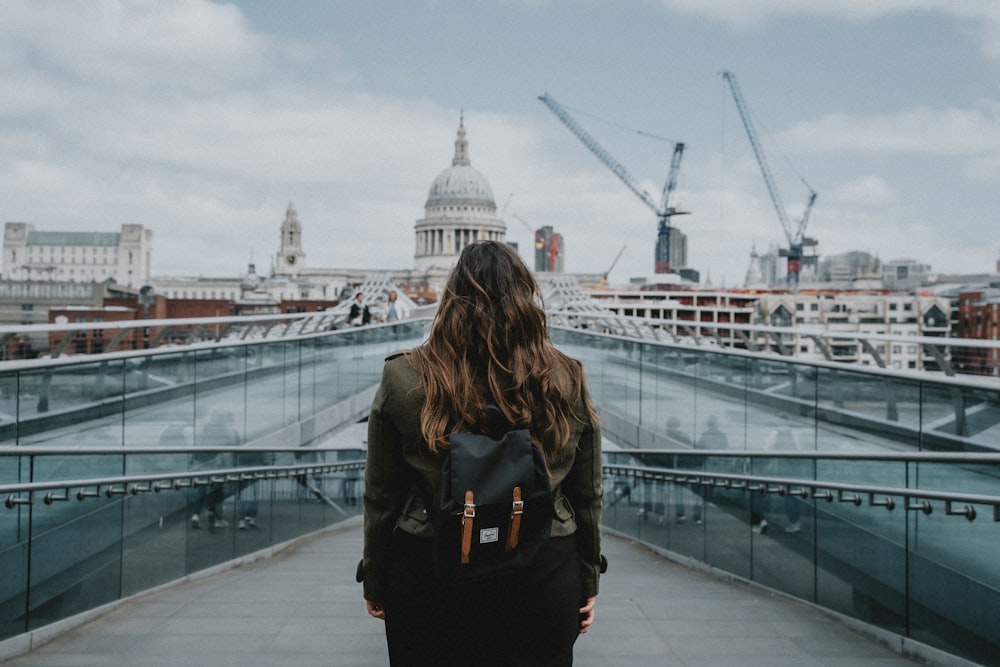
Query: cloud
x=869, y=191
x=984, y=15
x=925, y=131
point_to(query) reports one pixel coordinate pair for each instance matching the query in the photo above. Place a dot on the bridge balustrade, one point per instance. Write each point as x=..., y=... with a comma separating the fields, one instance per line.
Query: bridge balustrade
x=742, y=436
x=878, y=488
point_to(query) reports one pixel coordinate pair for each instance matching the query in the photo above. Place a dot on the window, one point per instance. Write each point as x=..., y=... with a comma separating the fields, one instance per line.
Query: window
x=897, y=349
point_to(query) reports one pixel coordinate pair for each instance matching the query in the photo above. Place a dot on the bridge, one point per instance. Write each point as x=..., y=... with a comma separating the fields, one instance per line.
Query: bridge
x=758, y=508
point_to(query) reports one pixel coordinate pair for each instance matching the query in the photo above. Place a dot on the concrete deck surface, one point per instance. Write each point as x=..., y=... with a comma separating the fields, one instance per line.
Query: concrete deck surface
x=303, y=608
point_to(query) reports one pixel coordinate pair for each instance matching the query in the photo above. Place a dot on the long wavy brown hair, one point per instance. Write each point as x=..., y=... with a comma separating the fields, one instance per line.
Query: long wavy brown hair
x=489, y=343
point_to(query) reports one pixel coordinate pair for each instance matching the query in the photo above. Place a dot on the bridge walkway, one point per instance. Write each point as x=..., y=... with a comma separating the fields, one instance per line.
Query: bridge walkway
x=302, y=607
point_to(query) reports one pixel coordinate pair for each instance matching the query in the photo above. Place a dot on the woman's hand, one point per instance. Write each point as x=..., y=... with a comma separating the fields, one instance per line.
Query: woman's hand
x=587, y=614
x=377, y=610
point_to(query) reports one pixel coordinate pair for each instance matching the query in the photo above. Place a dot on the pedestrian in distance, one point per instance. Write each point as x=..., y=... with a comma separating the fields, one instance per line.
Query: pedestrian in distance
x=488, y=346
x=359, y=315
x=217, y=432
x=395, y=310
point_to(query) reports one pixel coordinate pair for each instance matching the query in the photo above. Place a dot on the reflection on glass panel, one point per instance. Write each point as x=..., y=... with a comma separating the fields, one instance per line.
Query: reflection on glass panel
x=950, y=587
x=8, y=408
x=267, y=399
x=75, y=558
x=960, y=418
x=162, y=401
x=54, y=400
x=980, y=539
x=311, y=400
x=13, y=551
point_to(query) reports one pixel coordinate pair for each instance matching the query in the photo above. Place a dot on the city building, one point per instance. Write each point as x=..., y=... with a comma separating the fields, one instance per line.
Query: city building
x=460, y=210
x=124, y=257
x=685, y=305
x=898, y=313
x=550, y=250
x=83, y=273
x=979, y=317
x=905, y=274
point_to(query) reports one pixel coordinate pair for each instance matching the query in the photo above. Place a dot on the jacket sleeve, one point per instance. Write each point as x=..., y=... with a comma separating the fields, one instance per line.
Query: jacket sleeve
x=384, y=489
x=585, y=491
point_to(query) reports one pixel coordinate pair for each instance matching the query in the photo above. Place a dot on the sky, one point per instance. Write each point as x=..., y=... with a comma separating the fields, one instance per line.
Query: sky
x=203, y=120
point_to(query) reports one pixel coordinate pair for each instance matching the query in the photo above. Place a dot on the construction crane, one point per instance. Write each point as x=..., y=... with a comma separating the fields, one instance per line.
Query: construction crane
x=664, y=210
x=797, y=240
x=604, y=279
x=552, y=249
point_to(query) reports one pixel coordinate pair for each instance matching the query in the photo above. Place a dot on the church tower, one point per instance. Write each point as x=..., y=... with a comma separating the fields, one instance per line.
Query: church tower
x=290, y=256
x=460, y=210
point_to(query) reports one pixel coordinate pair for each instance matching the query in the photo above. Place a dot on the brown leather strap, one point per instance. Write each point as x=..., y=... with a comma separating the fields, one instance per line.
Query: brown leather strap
x=516, y=510
x=467, y=516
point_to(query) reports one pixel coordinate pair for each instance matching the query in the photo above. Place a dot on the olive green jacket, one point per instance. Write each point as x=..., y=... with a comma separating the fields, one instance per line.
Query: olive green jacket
x=394, y=497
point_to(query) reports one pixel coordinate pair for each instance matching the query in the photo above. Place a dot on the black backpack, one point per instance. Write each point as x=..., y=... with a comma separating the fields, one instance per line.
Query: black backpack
x=494, y=508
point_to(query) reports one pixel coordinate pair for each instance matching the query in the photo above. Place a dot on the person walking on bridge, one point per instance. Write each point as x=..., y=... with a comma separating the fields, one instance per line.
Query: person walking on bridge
x=488, y=346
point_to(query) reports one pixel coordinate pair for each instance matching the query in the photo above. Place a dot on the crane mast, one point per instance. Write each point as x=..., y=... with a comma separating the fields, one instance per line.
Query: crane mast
x=797, y=240
x=663, y=211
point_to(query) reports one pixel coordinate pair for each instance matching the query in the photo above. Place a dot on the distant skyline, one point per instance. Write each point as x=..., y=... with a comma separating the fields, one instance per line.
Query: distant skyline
x=202, y=121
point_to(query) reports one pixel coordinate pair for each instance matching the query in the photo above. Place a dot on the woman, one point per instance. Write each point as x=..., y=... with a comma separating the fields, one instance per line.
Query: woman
x=394, y=308
x=488, y=345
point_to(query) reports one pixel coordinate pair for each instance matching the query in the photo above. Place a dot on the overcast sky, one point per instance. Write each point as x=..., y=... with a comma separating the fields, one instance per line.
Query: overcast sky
x=203, y=120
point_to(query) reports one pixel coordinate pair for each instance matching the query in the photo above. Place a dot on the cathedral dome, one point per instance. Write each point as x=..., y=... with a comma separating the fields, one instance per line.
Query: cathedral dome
x=460, y=184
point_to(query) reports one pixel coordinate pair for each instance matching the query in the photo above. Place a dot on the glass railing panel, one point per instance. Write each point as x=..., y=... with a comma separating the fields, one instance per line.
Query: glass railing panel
x=9, y=399
x=310, y=399
x=160, y=403
x=861, y=545
x=684, y=507
x=273, y=391
x=152, y=530
x=75, y=546
x=727, y=520
x=948, y=586
x=960, y=418
x=220, y=396
x=878, y=407
x=209, y=540
x=782, y=523
x=13, y=550
x=655, y=401
x=676, y=393
x=772, y=403
x=723, y=401
x=297, y=501
x=938, y=569
x=53, y=400
x=625, y=373
x=982, y=419
x=154, y=536
x=75, y=558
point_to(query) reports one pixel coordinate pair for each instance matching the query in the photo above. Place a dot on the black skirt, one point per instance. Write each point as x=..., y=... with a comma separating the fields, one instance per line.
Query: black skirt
x=529, y=617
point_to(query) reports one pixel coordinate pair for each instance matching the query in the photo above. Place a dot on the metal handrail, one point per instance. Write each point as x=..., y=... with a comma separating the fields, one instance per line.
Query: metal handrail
x=894, y=456
x=24, y=493
x=818, y=489
x=36, y=450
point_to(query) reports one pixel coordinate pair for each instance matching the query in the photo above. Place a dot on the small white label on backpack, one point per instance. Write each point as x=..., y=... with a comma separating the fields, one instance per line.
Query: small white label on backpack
x=487, y=535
